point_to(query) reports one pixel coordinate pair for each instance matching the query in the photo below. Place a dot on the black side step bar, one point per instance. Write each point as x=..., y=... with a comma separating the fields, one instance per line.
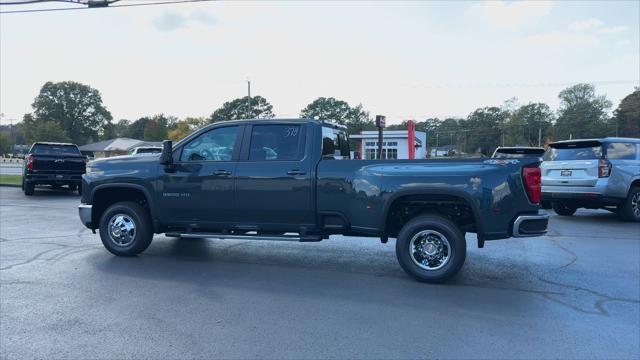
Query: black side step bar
x=307, y=238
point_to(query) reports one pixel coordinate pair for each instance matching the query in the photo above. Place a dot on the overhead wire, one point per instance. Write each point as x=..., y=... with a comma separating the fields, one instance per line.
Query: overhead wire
x=105, y=7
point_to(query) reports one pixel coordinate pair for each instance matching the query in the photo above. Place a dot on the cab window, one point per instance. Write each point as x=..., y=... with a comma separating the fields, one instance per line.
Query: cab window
x=276, y=142
x=214, y=145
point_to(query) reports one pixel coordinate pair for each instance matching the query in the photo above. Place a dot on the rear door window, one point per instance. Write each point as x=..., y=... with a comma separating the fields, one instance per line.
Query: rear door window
x=621, y=151
x=60, y=150
x=574, y=151
x=276, y=142
x=334, y=144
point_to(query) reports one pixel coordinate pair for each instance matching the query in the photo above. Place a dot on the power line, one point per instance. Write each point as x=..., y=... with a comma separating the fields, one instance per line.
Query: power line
x=105, y=7
x=26, y=2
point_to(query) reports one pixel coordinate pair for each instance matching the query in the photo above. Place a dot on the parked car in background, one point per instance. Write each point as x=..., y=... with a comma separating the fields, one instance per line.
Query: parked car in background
x=515, y=152
x=594, y=174
x=262, y=179
x=54, y=164
x=146, y=150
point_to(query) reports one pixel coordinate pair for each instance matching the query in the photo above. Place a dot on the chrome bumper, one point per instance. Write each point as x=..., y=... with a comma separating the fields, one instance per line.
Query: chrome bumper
x=531, y=225
x=84, y=211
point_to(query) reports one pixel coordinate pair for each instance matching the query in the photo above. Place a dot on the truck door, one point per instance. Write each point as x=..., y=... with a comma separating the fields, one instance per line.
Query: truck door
x=198, y=189
x=274, y=187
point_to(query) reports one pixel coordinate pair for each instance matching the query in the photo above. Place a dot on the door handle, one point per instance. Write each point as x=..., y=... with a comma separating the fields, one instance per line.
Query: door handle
x=296, y=172
x=222, y=173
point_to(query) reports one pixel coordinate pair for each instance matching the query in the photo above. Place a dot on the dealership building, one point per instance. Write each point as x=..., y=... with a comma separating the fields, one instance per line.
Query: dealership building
x=396, y=144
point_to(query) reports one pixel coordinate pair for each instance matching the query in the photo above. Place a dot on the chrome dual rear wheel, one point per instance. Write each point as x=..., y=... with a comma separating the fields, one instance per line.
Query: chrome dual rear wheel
x=431, y=248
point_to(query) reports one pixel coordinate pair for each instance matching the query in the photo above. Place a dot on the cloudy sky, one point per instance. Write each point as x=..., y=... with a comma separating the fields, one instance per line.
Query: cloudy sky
x=405, y=60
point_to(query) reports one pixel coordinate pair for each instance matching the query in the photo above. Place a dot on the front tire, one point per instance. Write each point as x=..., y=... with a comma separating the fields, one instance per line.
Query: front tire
x=431, y=248
x=125, y=229
x=563, y=209
x=629, y=210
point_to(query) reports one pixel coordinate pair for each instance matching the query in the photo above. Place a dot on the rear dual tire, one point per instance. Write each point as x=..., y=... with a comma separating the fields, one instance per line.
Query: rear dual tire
x=431, y=248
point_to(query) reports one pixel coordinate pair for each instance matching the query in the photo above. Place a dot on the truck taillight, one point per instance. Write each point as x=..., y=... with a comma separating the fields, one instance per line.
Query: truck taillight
x=604, y=168
x=531, y=176
x=30, y=162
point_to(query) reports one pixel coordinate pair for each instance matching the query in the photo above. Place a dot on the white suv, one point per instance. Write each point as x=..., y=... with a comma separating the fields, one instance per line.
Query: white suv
x=598, y=173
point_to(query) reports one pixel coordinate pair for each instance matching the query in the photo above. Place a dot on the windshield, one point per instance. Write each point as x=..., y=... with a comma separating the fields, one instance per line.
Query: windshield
x=573, y=151
x=49, y=149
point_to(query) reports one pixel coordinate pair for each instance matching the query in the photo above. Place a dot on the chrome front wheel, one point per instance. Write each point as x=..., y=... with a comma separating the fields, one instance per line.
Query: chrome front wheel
x=122, y=230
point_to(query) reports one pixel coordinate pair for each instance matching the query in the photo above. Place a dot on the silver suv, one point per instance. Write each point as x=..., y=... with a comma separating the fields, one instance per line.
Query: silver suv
x=594, y=174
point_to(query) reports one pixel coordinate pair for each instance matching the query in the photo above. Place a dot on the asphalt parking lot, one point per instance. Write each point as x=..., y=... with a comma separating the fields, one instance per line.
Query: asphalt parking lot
x=572, y=294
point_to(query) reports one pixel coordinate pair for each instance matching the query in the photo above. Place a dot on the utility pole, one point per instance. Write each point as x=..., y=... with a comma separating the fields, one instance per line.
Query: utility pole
x=437, y=138
x=381, y=122
x=539, y=136
x=249, y=99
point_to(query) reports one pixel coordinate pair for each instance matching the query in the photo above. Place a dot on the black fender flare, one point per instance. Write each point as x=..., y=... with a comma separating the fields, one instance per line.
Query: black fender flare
x=426, y=190
x=145, y=192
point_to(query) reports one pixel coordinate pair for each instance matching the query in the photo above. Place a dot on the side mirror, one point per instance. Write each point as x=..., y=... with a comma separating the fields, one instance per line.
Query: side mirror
x=166, y=156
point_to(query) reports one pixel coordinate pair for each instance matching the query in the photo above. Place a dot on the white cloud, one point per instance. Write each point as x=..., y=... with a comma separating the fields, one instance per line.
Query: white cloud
x=504, y=14
x=583, y=25
x=623, y=42
x=613, y=30
x=170, y=21
x=560, y=39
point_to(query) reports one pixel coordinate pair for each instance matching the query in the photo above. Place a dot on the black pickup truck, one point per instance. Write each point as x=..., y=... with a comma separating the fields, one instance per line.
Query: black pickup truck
x=55, y=164
x=293, y=180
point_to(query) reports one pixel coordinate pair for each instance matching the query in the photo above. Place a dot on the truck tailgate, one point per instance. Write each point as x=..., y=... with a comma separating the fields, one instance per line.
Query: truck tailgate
x=59, y=164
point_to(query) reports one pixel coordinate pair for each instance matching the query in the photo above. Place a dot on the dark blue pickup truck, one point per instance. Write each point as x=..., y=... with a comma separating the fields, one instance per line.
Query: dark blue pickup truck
x=293, y=180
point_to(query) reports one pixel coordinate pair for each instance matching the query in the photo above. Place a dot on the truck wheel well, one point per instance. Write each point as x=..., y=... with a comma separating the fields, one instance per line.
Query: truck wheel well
x=405, y=208
x=103, y=198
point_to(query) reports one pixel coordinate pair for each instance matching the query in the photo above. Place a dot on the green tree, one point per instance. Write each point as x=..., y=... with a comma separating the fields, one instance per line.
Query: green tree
x=355, y=118
x=186, y=127
x=35, y=129
x=5, y=143
x=336, y=110
x=484, y=129
x=76, y=108
x=626, y=118
x=116, y=130
x=525, y=122
x=156, y=127
x=447, y=132
x=243, y=108
x=582, y=114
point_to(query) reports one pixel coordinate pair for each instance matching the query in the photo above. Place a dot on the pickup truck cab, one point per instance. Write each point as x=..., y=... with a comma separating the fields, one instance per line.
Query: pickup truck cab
x=54, y=164
x=293, y=180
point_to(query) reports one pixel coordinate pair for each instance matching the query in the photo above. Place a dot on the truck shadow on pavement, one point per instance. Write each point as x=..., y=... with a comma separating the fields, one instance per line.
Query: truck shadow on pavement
x=370, y=274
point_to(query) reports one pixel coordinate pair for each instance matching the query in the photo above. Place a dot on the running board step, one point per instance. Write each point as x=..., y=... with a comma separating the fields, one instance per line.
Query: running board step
x=246, y=237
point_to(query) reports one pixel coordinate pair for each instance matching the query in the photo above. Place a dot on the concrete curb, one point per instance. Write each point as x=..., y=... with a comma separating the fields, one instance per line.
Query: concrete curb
x=11, y=185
